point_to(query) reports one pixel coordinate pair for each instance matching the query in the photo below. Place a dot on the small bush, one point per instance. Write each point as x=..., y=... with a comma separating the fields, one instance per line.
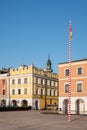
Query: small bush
x=12, y=108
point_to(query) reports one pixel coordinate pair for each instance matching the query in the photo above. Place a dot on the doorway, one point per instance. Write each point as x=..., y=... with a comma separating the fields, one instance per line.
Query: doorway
x=65, y=106
x=36, y=104
x=80, y=106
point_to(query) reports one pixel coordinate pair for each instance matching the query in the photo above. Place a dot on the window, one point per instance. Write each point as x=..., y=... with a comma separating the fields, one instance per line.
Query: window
x=19, y=91
x=50, y=92
x=25, y=91
x=3, y=82
x=39, y=81
x=13, y=91
x=48, y=82
x=66, y=88
x=56, y=92
x=56, y=84
x=3, y=92
x=52, y=83
x=44, y=91
x=67, y=72
x=79, y=87
x=43, y=81
x=25, y=80
x=41, y=91
x=19, y=81
x=34, y=79
x=34, y=90
x=13, y=81
x=79, y=70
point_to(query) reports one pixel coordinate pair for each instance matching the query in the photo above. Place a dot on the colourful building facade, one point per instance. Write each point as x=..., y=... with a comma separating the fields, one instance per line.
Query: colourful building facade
x=4, y=87
x=78, y=87
x=32, y=86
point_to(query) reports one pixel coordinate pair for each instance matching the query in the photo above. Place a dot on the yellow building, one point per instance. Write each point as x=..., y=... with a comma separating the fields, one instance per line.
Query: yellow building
x=32, y=86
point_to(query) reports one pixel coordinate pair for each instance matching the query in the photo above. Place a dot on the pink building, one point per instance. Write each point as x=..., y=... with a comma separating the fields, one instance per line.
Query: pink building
x=78, y=86
x=4, y=88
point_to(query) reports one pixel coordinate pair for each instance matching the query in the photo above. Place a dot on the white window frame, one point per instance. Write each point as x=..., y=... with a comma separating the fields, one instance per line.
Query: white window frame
x=19, y=79
x=39, y=80
x=65, y=86
x=52, y=83
x=13, y=82
x=25, y=80
x=39, y=91
x=34, y=79
x=52, y=92
x=81, y=70
x=34, y=90
x=56, y=92
x=48, y=92
x=79, y=82
x=48, y=82
x=43, y=81
x=18, y=91
x=56, y=84
x=65, y=72
x=25, y=92
x=13, y=91
x=44, y=91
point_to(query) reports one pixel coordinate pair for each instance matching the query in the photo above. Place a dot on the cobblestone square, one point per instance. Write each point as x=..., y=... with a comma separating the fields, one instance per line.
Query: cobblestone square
x=35, y=120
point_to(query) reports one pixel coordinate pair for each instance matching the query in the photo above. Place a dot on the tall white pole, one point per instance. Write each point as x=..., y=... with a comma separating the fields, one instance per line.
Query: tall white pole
x=70, y=52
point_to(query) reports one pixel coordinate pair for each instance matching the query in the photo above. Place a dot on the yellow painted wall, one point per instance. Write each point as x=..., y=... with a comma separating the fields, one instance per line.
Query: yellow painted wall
x=28, y=72
x=42, y=103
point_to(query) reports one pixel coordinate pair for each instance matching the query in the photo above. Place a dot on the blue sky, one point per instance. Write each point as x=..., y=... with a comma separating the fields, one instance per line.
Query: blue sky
x=30, y=30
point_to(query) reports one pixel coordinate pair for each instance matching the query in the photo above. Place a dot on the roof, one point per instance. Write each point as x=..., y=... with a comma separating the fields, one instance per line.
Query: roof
x=4, y=70
x=75, y=61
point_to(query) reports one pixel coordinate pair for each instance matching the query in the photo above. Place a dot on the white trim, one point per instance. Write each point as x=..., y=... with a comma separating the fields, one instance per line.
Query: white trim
x=65, y=71
x=66, y=83
x=19, y=100
x=77, y=70
x=73, y=104
x=73, y=63
x=74, y=78
x=20, y=75
x=4, y=75
x=77, y=82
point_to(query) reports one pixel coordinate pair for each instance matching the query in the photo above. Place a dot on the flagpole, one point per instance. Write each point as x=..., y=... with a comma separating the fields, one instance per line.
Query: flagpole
x=70, y=52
